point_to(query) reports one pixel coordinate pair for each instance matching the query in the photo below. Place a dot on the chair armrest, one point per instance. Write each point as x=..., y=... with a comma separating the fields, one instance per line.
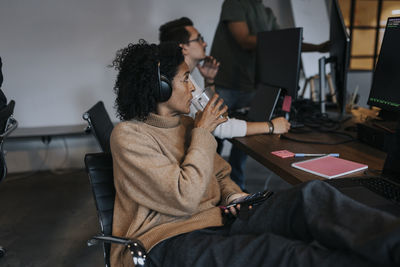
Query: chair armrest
x=86, y=117
x=109, y=239
x=138, y=252
x=10, y=127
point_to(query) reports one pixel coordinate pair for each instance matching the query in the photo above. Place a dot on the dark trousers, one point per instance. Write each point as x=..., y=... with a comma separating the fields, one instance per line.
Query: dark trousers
x=312, y=224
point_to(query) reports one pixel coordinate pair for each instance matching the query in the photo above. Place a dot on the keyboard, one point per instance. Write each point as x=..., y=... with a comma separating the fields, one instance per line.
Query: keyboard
x=376, y=184
x=382, y=187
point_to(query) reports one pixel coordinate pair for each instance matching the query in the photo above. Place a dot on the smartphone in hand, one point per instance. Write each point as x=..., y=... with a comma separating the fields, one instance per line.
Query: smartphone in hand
x=252, y=199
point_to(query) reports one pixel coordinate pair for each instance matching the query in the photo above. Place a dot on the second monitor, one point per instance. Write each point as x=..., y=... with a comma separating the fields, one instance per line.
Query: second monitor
x=278, y=59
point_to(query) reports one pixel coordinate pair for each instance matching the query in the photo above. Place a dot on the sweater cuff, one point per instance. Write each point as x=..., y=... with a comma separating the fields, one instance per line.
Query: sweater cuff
x=240, y=129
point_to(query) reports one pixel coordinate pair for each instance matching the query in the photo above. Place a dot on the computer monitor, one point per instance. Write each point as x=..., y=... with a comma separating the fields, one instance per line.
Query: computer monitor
x=385, y=89
x=339, y=59
x=278, y=59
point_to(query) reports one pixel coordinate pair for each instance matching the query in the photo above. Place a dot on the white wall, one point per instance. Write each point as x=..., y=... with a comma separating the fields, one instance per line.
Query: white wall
x=55, y=56
x=363, y=81
x=55, y=52
x=312, y=15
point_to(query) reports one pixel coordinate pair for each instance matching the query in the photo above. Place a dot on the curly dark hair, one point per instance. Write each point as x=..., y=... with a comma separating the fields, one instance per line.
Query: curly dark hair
x=137, y=82
x=175, y=31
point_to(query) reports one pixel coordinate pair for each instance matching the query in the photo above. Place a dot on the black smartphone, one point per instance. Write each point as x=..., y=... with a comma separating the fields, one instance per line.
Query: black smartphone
x=253, y=199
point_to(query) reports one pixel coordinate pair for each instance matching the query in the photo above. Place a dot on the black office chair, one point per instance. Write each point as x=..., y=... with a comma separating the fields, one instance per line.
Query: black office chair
x=100, y=170
x=7, y=125
x=100, y=124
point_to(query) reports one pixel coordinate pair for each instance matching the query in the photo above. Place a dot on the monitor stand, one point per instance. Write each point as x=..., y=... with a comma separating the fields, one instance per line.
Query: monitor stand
x=338, y=115
x=286, y=108
x=293, y=122
x=322, y=83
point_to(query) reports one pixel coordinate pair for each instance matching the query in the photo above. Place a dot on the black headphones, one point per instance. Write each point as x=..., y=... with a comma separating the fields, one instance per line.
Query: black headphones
x=165, y=88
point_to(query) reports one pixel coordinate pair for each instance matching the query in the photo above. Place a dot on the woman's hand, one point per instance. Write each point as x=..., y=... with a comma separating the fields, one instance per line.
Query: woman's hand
x=235, y=198
x=281, y=125
x=211, y=116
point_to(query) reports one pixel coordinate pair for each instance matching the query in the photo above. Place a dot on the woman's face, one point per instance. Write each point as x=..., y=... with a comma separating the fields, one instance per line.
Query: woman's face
x=182, y=88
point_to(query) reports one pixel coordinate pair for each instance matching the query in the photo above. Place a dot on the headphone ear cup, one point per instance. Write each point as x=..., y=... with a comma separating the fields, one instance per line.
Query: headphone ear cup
x=165, y=88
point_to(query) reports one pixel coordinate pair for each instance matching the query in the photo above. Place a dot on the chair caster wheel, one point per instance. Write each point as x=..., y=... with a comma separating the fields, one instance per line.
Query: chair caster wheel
x=2, y=252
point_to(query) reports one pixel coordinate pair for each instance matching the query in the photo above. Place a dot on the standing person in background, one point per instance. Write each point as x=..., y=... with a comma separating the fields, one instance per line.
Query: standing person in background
x=234, y=46
x=193, y=47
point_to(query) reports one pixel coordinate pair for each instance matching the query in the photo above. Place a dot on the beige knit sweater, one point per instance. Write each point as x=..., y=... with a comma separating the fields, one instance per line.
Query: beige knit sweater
x=169, y=180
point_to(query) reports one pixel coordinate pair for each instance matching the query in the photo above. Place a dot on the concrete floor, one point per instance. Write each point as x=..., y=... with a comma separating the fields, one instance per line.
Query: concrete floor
x=46, y=218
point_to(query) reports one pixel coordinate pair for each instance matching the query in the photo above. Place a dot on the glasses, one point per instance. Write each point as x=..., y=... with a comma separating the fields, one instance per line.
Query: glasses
x=199, y=39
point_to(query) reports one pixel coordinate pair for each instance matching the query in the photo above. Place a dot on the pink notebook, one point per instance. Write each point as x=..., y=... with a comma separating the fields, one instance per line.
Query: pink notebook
x=329, y=167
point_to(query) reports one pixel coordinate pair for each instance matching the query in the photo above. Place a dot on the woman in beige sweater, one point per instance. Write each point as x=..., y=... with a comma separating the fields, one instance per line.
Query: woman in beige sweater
x=170, y=183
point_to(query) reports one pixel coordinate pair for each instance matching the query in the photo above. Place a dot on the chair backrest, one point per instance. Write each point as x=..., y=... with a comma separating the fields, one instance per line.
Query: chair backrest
x=100, y=124
x=3, y=166
x=7, y=125
x=100, y=170
x=5, y=114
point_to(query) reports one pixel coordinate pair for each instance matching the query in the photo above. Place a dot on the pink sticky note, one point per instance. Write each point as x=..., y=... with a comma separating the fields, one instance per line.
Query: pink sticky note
x=287, y=103
x=283, y=154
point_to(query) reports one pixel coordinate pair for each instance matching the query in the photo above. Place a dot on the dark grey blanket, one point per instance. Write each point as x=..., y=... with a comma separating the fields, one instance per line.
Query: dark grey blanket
x=312, y=224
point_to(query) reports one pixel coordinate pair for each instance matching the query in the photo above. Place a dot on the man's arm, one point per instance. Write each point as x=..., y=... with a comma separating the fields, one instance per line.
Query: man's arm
x=322, y=47
x=240, y=32
x=281, y=126
x=239, y=128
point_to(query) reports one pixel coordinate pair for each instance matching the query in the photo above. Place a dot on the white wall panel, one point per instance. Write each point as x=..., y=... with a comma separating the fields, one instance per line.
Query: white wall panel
x=55, y=52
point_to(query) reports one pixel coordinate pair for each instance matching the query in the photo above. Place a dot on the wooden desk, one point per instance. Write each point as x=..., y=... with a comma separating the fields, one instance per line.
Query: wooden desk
x=260, y=147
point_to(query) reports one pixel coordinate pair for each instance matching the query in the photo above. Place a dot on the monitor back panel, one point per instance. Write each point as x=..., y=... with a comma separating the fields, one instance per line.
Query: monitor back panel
x=278, y=59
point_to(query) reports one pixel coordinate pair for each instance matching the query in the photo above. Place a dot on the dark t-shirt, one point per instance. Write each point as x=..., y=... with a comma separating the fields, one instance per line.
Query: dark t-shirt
x=237, y=70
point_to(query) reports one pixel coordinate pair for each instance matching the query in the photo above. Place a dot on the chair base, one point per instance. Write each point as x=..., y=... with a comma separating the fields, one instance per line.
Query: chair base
x=138, y=252
x=2, y=252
